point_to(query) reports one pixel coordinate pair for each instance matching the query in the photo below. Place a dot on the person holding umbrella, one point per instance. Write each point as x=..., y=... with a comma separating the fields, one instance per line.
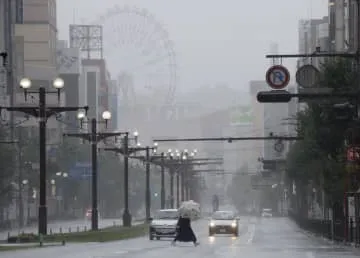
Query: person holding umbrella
x=184, y=232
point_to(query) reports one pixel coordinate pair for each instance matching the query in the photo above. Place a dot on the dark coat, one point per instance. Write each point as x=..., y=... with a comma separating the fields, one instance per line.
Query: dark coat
x=184, y=231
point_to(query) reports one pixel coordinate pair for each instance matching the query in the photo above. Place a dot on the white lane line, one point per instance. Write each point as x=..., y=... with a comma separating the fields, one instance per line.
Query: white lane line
x=251, y=234
x=310, y=255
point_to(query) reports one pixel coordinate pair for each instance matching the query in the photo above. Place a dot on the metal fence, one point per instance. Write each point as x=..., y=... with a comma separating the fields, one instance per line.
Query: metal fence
x=335, y=230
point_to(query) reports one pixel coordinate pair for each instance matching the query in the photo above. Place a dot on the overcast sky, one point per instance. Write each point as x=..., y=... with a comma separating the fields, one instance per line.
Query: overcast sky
x=214, y=41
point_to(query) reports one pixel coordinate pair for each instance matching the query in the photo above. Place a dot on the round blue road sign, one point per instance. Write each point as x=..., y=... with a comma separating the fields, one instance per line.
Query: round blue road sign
x=278, y=77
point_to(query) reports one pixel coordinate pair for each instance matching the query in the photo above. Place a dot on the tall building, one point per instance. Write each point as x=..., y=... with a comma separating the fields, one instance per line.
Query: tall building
x=35, y=54
x=313, y=35
x=343, y=24
x=351, y=24
x=114, y=101
x=94, y=76
x=258, y=114
x=69, y=69
x=337, y=24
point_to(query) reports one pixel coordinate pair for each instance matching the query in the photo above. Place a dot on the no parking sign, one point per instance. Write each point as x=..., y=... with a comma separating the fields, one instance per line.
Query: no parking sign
x=277, y=77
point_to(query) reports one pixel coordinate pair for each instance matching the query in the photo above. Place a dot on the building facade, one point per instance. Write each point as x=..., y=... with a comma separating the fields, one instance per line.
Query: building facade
x=69, y=69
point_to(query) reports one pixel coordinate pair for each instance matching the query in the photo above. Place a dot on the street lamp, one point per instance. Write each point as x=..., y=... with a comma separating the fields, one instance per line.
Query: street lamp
x=25, y=83
x=94, y=137
x=125, y=150
x=43, y=113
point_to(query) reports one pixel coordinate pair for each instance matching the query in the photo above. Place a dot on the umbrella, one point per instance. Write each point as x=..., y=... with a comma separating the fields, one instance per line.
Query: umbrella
x=189, y=209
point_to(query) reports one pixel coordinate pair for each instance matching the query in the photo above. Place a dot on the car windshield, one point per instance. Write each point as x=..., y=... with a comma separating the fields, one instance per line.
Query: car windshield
x=166, y=214
x=223, y=215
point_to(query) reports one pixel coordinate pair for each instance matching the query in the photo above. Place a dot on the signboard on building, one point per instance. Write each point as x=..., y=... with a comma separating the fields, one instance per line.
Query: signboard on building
x=81, y=170
x=68, y=61
x=241, y=115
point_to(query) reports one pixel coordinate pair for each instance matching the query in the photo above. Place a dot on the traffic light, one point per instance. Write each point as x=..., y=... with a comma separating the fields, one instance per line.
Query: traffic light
x=274, y=96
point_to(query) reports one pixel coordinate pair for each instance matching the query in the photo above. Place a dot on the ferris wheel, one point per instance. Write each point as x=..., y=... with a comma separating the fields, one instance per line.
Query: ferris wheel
x=139, y=52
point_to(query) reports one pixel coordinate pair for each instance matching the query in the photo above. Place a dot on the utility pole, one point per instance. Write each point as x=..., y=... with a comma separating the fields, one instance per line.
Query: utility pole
x=228, y=139
x=94, y=137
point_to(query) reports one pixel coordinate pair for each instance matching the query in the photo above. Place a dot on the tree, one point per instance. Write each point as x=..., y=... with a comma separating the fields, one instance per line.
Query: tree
x=7, y=167
x=319, y=158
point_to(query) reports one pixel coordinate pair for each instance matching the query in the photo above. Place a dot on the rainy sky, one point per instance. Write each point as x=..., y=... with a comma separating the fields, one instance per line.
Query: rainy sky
x=215, y=41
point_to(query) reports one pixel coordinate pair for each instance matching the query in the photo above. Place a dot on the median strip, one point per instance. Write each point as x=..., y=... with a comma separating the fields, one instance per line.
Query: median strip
x=103, y=235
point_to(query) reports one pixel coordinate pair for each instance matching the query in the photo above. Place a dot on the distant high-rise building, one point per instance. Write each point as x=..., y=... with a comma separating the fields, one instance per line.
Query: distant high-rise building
x=114, y=101
x=313, y=34
x=69, y=69
x=35, y=36
x=258, y=113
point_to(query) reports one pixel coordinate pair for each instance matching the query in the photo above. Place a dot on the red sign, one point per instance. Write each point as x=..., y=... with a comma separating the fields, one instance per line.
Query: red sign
x=277, y=77
x=353, y=154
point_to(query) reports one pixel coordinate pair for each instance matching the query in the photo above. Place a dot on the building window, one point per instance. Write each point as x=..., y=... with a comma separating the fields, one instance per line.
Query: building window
x=19, y=11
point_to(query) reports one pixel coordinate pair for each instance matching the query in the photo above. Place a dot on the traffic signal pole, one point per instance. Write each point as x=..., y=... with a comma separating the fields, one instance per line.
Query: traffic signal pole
x=229, y=139
x=267, y=97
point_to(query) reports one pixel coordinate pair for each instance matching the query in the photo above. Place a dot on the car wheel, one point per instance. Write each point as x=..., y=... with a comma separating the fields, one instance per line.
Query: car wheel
x=158, y=238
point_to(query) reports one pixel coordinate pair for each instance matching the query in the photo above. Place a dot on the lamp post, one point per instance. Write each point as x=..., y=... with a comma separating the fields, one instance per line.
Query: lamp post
x=162, y=183
x=94, y=137
x=162, y=173
x=183, y=158
x=61, y=202
x=43, y=112
x=126, y=151
x=172, y=171
x=148, y=160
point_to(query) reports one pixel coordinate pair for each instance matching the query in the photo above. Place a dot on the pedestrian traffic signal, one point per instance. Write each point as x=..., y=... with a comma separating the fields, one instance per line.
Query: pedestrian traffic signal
x=274, y=96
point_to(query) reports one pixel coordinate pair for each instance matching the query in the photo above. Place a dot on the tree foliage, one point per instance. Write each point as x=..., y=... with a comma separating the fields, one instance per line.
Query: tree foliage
x=319, y=157
x=7, y=168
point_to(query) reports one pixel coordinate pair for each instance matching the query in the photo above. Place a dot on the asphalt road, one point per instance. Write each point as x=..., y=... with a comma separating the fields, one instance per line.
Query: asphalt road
x=265, y=238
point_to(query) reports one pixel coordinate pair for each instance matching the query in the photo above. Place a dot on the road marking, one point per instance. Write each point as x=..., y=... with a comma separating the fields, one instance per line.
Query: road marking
x=251, y=234
x=310, y=255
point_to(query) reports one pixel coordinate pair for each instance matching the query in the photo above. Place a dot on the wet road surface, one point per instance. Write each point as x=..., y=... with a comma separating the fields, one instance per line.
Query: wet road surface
x=259, y=238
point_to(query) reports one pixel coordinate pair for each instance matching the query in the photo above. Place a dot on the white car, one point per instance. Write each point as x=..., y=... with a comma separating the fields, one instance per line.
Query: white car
x=266, y=213
x=163, y=224
x=224, y=222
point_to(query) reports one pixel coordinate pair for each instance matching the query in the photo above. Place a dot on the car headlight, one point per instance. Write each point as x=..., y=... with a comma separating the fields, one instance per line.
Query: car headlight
x=212, y=224
x=234, y=224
